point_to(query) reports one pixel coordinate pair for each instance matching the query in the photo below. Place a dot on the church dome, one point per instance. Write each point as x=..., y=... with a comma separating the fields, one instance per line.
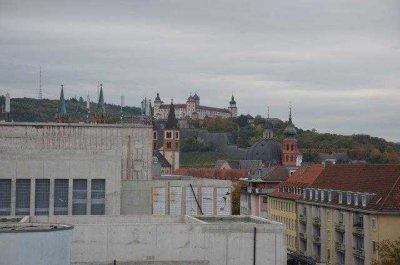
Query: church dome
x=158, y=97
x=290, y=130
x=266, y=150
x=196, y=97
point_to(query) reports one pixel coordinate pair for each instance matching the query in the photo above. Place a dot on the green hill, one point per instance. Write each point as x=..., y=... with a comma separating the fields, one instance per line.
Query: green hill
x=44, y=110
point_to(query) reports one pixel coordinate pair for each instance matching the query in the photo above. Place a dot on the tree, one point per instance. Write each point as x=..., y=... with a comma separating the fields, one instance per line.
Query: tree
x=388, y=253
x=236, y=197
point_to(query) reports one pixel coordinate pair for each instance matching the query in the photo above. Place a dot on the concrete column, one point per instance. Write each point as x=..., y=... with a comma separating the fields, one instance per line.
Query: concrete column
x=32, y=202
x=13, y=196
x=348, y=237
x=89, y=197
x=70, y=193
x=51, y=198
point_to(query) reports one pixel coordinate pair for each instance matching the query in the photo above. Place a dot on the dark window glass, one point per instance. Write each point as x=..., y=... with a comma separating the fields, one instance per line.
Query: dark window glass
x=98, y=197
x=5, y=197
x=79, y=197
x=61, y=197
x=42, y=192
x=23, y=197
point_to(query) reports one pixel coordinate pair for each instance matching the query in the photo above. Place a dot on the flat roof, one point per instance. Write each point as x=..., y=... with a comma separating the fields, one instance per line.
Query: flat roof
x=232, y=219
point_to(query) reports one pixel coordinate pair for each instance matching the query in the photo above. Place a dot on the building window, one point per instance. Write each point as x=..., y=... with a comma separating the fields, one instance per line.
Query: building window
x=61, y=197
x=316, y=195
x=265, y=199
x=5, y=197
x=356, y=199
x=311, y=194
x=374, y=224
x=364, y=200
x=340, y=197
x=177, y=135
x=79, y=197
x=154, y=135
x=291, y=158
x=329, y=196
x=168, y=144
x=348, y=198
x=98, y=197
x=168, y=135
x=322, y=196
x=23, y=197
x=291, y=147
x=42, y=194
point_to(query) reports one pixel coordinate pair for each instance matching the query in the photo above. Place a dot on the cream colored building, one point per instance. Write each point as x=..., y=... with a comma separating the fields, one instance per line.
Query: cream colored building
x=347, y=211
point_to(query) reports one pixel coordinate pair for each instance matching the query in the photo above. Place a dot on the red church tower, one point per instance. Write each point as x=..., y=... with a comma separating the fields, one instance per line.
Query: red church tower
x=290, y=151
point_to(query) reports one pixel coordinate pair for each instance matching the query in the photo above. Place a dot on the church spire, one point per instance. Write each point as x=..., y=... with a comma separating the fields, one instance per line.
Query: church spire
x=62, y=111
x=290, y=113
x=100, y=105
x=172, y=122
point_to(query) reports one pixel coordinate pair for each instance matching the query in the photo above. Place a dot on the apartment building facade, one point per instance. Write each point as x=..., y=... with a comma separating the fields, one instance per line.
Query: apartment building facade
x=347, y=211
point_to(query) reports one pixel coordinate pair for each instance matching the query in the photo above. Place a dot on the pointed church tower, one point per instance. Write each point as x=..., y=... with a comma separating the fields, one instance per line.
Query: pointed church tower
x=101, y=110
x=269, y=128
x=171, y=139
x=290, y=151
x=232, y=107
x=62, y=116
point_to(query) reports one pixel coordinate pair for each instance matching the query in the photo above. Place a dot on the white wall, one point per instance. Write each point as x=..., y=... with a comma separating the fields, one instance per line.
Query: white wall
x=100, y=240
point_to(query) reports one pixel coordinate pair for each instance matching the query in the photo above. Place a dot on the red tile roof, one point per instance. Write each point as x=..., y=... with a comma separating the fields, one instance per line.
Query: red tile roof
x=381, y=180
x=212, y=173
x=303, y=177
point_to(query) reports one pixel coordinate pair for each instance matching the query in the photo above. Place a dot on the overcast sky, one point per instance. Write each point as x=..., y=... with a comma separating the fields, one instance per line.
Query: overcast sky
x=337, y=61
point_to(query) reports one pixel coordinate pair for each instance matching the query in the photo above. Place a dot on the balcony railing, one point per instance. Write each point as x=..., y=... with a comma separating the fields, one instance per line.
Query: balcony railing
x=358, y=231
x=340, y=247
x=339, y=227
x=317, y=221
x=302, y=236
x=303, y=219
x=359, y=253
x=316, y=239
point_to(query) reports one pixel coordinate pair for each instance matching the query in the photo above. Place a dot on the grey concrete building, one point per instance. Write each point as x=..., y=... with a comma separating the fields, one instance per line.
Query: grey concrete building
x=70, y=169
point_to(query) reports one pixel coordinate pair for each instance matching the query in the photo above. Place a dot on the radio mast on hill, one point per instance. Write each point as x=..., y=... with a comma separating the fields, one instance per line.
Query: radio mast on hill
x=40, y=83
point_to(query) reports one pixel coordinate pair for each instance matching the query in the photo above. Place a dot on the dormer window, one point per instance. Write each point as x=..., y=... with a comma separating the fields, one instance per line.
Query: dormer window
x=305, y=195
x=340, y=197
x=329, y=196
x=356, y=199
x=311, y=194
x=348, y=198
x=364, y=200
x=316, y=195
x=322, y=196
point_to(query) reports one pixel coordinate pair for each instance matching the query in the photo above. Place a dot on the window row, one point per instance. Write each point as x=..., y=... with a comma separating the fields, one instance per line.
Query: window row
x=283, y=206
x=41, y=197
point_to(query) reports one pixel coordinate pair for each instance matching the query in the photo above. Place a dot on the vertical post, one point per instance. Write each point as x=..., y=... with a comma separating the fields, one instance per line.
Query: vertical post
x=254, y=246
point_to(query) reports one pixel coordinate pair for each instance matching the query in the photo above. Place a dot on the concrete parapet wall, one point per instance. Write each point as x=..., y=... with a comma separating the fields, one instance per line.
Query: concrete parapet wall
x=171, y=240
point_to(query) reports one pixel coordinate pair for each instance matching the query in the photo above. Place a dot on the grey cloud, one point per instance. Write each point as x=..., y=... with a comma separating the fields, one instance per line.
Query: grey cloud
x=336, y=60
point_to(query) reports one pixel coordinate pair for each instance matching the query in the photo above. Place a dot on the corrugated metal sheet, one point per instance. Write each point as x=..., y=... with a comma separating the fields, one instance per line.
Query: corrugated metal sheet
x=175, y=200
x=159, y=201
x=191, y=205
x=223, y=201
x=207, y=200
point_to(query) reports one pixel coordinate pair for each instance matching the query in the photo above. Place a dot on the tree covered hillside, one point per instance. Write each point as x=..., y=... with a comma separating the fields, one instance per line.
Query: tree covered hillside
x=44, y=110
x=244, y=132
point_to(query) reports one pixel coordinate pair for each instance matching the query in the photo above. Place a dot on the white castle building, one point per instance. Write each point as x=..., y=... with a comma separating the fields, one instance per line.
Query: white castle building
x=192, y=109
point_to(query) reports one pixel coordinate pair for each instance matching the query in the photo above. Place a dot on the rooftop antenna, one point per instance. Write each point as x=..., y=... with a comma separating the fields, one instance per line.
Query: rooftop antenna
x=268, y=112
x=290, y=112
x=40, y=83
